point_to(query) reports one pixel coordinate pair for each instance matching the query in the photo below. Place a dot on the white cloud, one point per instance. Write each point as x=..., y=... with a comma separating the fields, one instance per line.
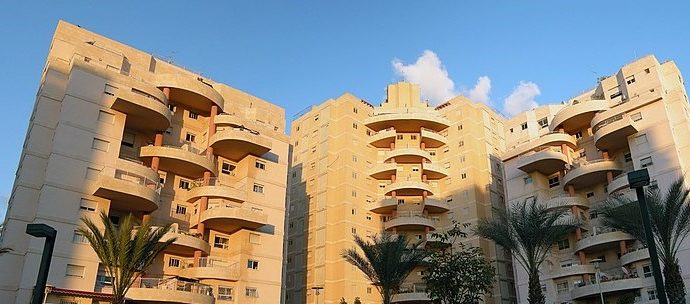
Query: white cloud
x=481, y=90
x=430, y=74
x=521, y=99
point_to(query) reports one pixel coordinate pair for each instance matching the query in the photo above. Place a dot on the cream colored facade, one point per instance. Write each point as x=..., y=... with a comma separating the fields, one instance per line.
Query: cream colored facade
x=405, y=167
x=115, y=129
x=577, y=154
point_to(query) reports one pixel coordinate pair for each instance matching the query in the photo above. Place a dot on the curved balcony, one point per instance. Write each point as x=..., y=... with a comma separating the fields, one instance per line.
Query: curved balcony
x=566, y=201
x=145, y=109
x=408, y=188
x=185, y=243
x=601, y=240
x=171, y=290
x=228, y=218
x=635, y=256
x=409, y=221
x=130, y=187
x=211, y=268
x=612, y=133
x=572, y=270
x=590, y=173
x=184, y=160
x=408, y=155
x=620, y=285
x=237, y=143
x=577, y=116
x=383, y=206
x=215, y=189
x=618, y=183
x=411, y=294
x=434, y=170
x=190, y=91
x=546, y=162
x=432, y=139
x=436, y=205
x=383, y=138
x=407, y=121
x=553, y=139
x=383, y=170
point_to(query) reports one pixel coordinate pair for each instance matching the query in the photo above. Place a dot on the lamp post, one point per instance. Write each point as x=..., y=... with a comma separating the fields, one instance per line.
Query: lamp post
x=49, y=233
x=637, y=180
x=598, y=277
x=317, y=292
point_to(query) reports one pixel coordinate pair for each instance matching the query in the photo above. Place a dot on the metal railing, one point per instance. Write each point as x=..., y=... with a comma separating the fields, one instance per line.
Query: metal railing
x=609, y=121
x=173, y=284
x=137, y=179
x=414, y=288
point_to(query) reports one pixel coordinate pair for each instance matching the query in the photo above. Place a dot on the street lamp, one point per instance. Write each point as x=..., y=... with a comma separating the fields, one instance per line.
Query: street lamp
x=317, y=292
x=49, y=233
x=598, y=277
x=637, y=180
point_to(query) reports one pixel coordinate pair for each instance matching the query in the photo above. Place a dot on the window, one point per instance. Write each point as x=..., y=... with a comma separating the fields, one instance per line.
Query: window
x=368, y=289
x=258, y=188
x=354, y=193
x=353, y=230
x=354, y=158
x=511, y=130
x=646, y=162
x=543, y=123
x=401, y=201
x=415, y=169
x=463, y=175
x=554, y=181
x=628, y=157
x=400, y=136
x=602, y=258
x=173, y=262
x=413, y=137
x=220, y=242
x=432, y=153
x=128, y=139
x=563, y=244
x=578, y=134
x=254, y=238
x=647, y=270
x=77, y=237
x=87, y=205
x=190, y=137
x=368, y=217
x=524, y=126
x=260, y=165
x=642, y=139
x=169, y=130
x=172, y=107
x=354, y=110
x=227, y=168
x=179, y=209
x=562, y=287
x=100, y=144
x=651, y=294
x=354, y=125
x=461, y=143
x=184, y=184
x=354, y=175
x=225, y=293
x=617, y=94
x=193, y=115
x=76, y=271
x=590, y=194
x=630, y=79
x=252, y=264
x=527, y=180
x=583, y=153
x=636, y=116
x=251, y=292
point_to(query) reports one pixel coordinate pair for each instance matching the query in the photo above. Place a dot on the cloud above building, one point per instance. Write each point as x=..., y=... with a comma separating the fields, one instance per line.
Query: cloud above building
x=521, y=99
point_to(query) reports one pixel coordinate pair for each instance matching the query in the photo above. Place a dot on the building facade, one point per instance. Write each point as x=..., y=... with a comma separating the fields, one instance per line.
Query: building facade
x=576, y=155
x=405, y=167
x=117, y=130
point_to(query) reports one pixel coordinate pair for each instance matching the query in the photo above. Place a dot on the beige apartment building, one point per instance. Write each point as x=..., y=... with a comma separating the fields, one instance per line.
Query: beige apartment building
x=117, y=130
x=405, y=167
x=576, y=155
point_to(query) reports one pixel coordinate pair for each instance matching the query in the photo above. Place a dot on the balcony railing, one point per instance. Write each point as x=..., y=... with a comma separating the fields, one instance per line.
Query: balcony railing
x=173, y=284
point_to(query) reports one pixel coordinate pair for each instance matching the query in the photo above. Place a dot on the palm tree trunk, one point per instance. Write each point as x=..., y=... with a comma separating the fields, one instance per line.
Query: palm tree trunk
x=387, y=295
x=535, y=295
x=675, y=288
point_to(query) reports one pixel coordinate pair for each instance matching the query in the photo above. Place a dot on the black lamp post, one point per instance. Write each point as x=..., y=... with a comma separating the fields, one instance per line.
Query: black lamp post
x=317, y=292
x=49, y=233
x=638, y=179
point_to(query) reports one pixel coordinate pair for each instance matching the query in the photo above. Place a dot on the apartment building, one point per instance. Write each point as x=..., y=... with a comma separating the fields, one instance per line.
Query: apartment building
x=405, y=167
x=576, y=155
x=118, y=130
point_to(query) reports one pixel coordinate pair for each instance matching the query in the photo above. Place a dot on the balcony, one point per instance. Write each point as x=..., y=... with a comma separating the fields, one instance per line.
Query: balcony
x=191, y=92
x=589, y=173
x=236, y=143
x=434, y=205
x=228, y=218
x=618, y=183
x=383, y=206
x=601, y=238
x=434, y=171
x=577, y=116
x=553, y=139
x=566, y=201
x=613, y=285
x=184, y=160
x=186, y=242
x=408, y=155
x=433, y=139
x=146, y=108
x=216, y=189
x=211, y=268
x=131, y=186
x=411, y=294
x=408, y=188
x=407, y=120
x=383, y=170
x=612, y=133
x=572, y=270
x=634, y=255
x=170, y=290
x=383, y=138
x=409, y=221
x=547, y=161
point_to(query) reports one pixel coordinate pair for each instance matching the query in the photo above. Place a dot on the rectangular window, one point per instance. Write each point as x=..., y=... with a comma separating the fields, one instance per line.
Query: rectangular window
x=252, y=264
x=554, y=181
x=523, y=126
x=562, y=287
x=258, y=188
x=77, y=237
x=651, y=294
x=179, y=209
x=184, y=184
x=193, y=115
x=630, y=79
x=463, y=175
x=527, y=180
x=172, y=108
x=173, y=262
x=647, y=271
x=415, y=169
x=413, y=137
x=461, y=143
x=190, y=137
x=628, y=157
x=578, y=135
x=100, y=144
x=251, y=292
x=642, y=139
x=88, y=205
x=225, y=293
x=543, y=123
x=590, y=194
x=646, y=162
x=617, y=94
x=401, y=201
x=563, y=244
x=636, y=116
x=76, y=271
x=227, y=168
x=220, y=242
x=400, y=136
x=128, y=139
x=260, y=165
x=254, y=238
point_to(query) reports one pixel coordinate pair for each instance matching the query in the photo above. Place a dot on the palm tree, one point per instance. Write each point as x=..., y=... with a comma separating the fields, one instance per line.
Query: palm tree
x=386, y=262
x=670, y=218
x=124, y=251
x=528, y=231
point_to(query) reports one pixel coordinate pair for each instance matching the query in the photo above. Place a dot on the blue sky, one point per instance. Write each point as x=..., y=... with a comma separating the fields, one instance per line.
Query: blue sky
x=298, y=53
